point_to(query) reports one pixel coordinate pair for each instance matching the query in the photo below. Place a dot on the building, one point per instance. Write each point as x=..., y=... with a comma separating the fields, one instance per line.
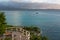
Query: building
x=16, y=33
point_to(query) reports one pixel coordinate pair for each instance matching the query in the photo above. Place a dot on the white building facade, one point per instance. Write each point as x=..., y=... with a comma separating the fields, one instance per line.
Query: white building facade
x=16, y=33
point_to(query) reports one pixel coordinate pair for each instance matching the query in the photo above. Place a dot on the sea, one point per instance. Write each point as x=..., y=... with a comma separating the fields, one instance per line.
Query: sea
x=47, y=20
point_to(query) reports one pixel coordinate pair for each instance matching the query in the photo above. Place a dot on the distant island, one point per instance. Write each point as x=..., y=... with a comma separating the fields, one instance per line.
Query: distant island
x=23, y=6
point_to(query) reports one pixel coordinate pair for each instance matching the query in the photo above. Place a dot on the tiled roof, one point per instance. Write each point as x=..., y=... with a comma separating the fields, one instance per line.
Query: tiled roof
x=7, y=33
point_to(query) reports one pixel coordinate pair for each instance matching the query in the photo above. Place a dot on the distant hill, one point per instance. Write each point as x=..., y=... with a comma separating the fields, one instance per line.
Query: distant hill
x=18, y=6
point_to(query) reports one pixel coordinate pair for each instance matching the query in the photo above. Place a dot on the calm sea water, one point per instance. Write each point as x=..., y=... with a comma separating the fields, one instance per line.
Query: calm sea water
x=47, y=20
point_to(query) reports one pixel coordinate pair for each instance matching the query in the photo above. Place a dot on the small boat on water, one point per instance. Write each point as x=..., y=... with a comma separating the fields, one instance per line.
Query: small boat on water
x=37, y=13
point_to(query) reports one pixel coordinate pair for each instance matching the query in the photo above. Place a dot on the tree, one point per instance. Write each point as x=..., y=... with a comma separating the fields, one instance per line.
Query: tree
x=32, y=28
x=34, y=31
x=2, y=23
x=44, y=38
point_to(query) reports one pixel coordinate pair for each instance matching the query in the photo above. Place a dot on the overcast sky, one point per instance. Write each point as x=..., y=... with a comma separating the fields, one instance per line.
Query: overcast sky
x=39, y=1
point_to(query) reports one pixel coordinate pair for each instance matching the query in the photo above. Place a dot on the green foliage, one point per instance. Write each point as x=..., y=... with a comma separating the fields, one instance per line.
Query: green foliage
x=2, y=23
x=44, y=38
x=32, y=28
x=35, y=30
x=35, y=37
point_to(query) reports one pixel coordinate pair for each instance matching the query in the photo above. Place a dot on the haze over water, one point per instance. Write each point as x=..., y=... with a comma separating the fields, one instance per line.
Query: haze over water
x=48, y=21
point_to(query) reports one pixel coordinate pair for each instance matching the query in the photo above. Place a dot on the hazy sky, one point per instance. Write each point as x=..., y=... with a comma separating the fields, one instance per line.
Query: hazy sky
x=46, y=1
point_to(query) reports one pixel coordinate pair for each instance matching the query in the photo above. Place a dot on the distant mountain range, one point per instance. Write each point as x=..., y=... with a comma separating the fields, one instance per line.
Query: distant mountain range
x=19, y=6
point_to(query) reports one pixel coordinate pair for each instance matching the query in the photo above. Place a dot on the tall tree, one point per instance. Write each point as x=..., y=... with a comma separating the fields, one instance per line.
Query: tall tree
x=2, y=23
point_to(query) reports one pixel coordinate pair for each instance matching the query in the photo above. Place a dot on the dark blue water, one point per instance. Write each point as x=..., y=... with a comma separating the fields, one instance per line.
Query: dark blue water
x=48, y=21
